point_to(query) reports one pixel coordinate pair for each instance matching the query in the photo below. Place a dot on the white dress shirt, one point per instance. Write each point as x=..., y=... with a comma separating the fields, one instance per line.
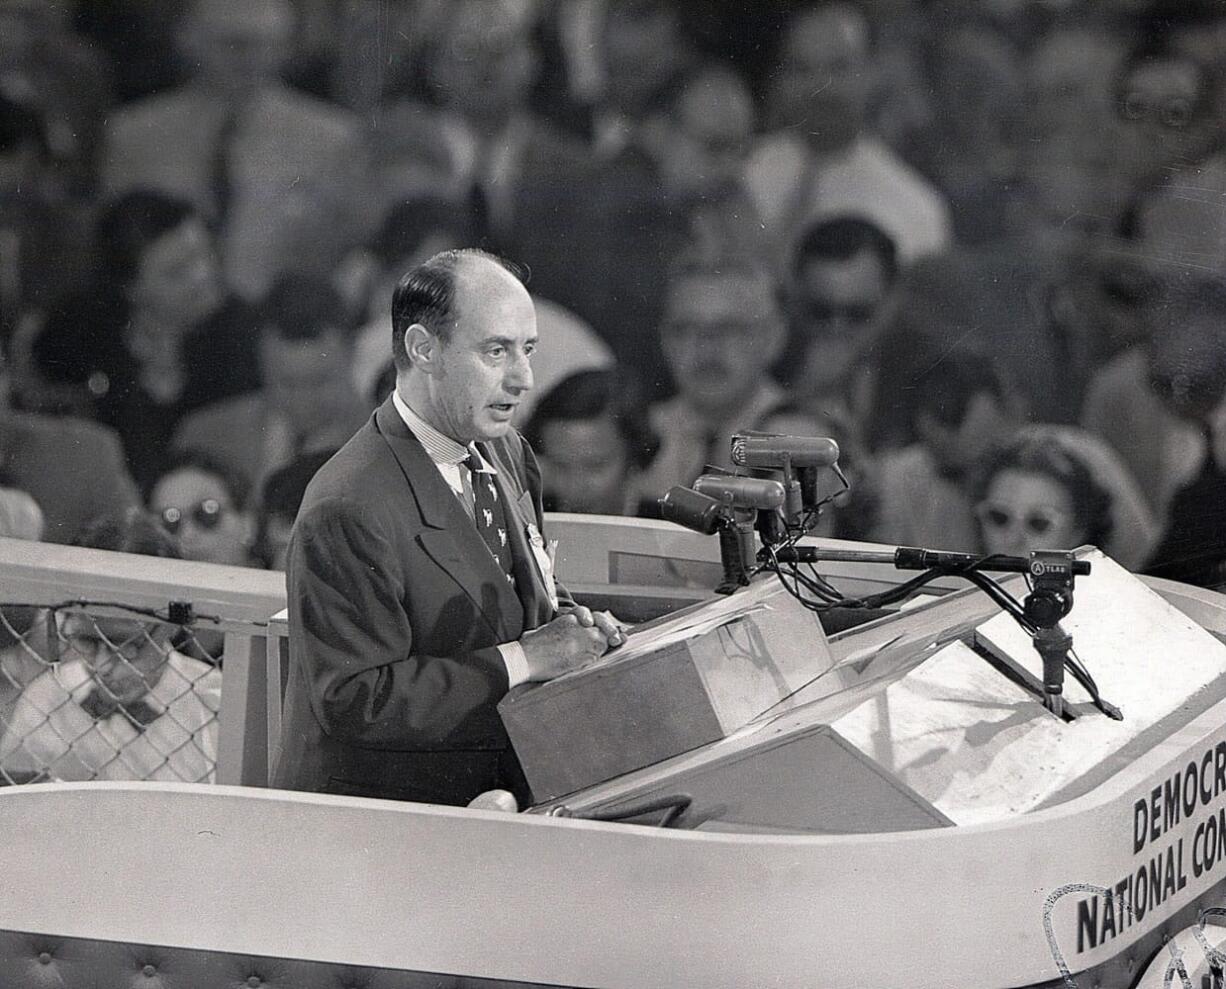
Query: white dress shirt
x=447, y=455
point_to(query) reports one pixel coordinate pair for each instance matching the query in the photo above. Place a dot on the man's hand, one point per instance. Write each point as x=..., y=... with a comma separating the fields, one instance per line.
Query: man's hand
x=569, y=642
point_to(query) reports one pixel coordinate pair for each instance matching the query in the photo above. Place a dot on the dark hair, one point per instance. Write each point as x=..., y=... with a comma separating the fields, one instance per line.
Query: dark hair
x=947, y=380
x=1156, y=49
x=281, y=496
x=204, y=463
x=841, y=238
x=21, y=123
x=283, y=489
x=594, y=394
x=133, y=222
x=409, y=223
x=1181, y=354
x=426, y=295
x=135, y=531
x=300, y=307
x=1044, y=455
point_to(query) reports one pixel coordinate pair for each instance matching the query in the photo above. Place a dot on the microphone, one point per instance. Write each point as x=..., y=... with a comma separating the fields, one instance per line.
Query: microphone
x=742, y=492
x=692, y=510
x=772, y=451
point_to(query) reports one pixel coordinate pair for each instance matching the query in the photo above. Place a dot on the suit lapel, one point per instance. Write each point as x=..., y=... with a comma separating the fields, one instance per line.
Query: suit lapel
x=449, y=536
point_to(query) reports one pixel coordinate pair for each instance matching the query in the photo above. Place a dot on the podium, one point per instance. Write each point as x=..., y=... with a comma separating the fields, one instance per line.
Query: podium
x=680, y=682
x=932, y=717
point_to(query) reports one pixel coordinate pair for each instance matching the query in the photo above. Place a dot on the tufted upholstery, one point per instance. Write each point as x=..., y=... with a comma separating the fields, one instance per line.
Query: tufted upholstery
x=39, y=961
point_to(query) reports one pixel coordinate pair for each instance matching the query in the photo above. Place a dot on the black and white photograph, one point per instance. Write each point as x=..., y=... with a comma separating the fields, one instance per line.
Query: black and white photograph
x=613, y=494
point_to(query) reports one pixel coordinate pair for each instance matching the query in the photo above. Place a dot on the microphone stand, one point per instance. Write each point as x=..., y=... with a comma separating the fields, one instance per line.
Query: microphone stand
x=1050, y=598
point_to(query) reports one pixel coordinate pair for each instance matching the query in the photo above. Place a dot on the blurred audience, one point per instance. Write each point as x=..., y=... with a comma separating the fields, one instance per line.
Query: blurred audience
x=722, y=331
x=280, y=173
x=593, y=440
x=960, y=408
x=1162, y=403
x=307, y=401
x=44, y=242
x=817, y=157
x=1015, y=179
x=157, y=335
x=279, y=501
x=73, y=469
x=840, y=300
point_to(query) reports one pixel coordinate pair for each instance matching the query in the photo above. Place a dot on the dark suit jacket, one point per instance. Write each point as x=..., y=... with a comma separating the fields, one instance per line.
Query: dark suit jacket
x=396, y=610
x=72, y=467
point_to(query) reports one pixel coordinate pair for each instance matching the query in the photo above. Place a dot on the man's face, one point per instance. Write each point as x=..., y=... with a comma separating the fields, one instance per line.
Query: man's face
x=584, y=465
x=1187, y=368
x=307, y=381
x=126, y=657
x=479, y=375
x=836, y=304
x=1159, y=105
x=236, y=46
x=485, y=61
x=821, y=88
x=956, y=447
x=704, y=153
x=720, y=335
x=178, y=278
x=642, y=50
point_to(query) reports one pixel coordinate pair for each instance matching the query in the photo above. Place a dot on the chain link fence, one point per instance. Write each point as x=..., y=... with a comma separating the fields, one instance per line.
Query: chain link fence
x=94, y=693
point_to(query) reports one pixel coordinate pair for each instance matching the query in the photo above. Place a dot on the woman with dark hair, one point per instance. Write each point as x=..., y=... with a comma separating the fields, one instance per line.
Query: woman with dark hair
x=592, y=436
x=1059, y=487
x=1034, y=495
x=158, y=334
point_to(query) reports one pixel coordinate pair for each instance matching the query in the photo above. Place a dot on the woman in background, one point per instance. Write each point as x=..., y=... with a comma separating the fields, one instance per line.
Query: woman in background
x=1058, y=487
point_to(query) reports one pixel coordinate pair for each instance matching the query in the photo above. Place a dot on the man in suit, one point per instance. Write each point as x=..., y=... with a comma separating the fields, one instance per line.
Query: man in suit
x=307, y=402
x=420, y=585
x=280, y=172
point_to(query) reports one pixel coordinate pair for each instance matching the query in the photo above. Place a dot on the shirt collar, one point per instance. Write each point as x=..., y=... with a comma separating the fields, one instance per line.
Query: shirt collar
x=443, y=450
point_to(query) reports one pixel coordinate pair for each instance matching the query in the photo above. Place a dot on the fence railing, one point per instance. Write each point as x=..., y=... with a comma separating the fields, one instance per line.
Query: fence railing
x=122, y=667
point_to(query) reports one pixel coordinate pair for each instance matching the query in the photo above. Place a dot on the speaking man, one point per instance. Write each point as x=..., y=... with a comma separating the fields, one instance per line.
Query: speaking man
x=420, y=583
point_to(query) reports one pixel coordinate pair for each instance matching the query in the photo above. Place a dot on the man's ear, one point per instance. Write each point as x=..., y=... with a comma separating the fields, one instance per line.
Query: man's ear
x=423, y=348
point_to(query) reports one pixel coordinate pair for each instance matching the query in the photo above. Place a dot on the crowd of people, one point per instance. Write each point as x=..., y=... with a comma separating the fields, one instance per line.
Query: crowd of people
x=982, y=245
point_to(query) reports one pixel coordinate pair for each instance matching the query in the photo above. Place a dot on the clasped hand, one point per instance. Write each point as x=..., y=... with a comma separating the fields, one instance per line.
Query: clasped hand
x=571, y=641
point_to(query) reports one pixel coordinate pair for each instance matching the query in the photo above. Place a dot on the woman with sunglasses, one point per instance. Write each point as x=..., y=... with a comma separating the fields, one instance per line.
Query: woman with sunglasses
x=1058, y=487
x=200, y=502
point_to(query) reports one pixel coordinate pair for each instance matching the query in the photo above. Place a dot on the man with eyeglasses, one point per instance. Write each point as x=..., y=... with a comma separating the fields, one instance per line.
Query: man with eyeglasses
x=1174, y=104
x=420, y=582
x=840, y=296
x=722, y=330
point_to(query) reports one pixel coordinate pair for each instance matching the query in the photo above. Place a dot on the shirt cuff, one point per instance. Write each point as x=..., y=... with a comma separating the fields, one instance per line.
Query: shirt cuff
x=517, y=663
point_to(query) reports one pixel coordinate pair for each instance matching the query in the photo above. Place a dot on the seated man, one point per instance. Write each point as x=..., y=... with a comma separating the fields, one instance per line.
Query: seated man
x=308, y=401
x=72, y=468
x=121, y=703
x=593, y=440
x=722, y=330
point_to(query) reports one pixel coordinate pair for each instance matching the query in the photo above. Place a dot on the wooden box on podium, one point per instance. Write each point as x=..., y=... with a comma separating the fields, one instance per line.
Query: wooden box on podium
x=678, y=683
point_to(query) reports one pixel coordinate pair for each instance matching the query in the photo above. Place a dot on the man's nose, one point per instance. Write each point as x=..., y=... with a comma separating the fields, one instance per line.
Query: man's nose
x=519, y=374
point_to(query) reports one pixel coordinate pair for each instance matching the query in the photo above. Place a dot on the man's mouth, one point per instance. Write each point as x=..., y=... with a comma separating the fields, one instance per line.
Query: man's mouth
x=503, y=408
